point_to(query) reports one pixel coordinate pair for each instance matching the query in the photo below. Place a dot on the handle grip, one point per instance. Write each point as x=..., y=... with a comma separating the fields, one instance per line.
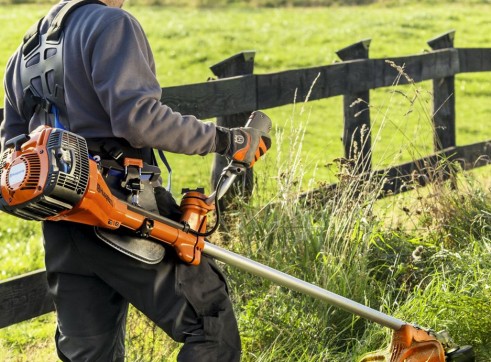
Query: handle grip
x=257, y=120
x=17, y=142
x=260, y=121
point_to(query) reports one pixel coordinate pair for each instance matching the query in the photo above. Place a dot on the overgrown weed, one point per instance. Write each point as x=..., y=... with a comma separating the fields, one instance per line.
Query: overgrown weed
x=432, y=268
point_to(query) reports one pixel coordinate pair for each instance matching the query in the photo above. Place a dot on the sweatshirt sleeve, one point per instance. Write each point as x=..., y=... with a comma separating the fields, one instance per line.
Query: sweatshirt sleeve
x=123, y=74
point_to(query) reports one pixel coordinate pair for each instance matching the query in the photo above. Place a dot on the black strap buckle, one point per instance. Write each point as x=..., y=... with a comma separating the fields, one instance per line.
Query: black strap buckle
x=132, y=179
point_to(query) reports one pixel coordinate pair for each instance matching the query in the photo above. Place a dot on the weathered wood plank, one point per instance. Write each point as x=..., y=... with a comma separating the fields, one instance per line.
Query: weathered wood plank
x=474, y=59
x=443, y=100
x=214, y=98
x=239, y=94
x=421, y=172
x=474, y=155
x=357, y=140
x=442, y=41
x=277, y=89
x=24, y=297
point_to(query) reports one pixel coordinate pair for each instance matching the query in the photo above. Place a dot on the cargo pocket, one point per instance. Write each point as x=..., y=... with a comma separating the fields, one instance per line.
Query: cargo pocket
x=220, y=274
x=213, y=335
x=213, y=328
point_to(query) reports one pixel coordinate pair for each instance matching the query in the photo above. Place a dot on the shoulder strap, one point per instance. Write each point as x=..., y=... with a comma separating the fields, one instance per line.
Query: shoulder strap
x=56, y=27
x=42, y=55
x=169, y=169
x=32, y=38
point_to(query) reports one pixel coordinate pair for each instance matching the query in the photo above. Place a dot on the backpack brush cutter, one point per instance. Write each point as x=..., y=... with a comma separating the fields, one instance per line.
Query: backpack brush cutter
x=48, y=175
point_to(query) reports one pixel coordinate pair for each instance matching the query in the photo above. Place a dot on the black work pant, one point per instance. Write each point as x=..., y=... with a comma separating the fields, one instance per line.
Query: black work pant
x=92, y=284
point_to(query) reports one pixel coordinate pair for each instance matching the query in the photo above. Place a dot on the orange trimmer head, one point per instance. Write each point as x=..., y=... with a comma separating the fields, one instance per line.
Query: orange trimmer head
x=413, y=344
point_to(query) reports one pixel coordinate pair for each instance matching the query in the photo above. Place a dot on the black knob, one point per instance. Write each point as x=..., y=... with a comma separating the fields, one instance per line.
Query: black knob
x=17, y=141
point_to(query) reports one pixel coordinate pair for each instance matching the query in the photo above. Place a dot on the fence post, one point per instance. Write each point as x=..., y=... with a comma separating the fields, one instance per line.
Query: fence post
x=443, y=99
x=357, y=128
x=238, y=64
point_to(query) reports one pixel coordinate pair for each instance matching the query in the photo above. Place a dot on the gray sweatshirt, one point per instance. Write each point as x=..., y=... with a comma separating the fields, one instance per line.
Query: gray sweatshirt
x=110, y=87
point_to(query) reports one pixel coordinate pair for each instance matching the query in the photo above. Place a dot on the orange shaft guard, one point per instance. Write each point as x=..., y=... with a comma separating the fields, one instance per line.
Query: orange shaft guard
x=194, y=209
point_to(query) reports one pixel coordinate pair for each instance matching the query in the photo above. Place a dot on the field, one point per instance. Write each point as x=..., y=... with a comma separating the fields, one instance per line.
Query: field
x=360, y=248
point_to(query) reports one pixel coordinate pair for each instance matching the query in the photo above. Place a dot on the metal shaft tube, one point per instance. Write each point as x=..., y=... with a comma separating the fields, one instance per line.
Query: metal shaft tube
x=301, y=286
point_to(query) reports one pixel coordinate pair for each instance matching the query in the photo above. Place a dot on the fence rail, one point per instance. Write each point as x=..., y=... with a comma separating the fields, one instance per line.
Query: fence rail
x=238, y=91
x=223, y=97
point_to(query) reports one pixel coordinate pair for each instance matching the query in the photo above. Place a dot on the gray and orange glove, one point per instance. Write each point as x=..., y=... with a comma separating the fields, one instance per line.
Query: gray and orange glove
x=243, y=144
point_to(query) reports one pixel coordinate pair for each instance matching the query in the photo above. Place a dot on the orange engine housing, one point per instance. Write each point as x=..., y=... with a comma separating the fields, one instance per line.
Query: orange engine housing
x=43, y=174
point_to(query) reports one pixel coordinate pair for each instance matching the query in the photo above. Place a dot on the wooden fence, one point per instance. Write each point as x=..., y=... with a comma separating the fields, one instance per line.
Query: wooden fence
x=237, y=92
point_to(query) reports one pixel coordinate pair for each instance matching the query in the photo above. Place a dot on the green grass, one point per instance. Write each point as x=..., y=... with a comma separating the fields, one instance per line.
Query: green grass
x=359, y=248
x=23, y=240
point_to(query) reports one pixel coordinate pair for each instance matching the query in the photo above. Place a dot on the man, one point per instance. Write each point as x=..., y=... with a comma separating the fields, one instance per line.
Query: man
x=103, y=87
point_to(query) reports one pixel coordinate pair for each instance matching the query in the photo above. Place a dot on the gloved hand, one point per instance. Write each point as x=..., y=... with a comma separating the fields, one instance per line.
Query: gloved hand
x=244, y=144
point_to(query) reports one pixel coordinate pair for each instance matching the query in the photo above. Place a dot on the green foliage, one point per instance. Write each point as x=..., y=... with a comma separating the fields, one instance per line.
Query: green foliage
x=146, y=342
x=465, y=217
x=439, y=276
x=29, y=341
x=21, y=246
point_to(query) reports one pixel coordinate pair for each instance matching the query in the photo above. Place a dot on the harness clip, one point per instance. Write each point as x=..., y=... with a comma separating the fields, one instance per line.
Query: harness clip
x=132, y=178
